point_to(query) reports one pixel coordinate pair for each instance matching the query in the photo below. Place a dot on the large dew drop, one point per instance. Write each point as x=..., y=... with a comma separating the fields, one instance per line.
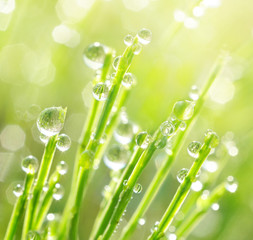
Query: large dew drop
x=58, y=192
x=100, y=91
x=128, y=80
x=94, y=55
x=183, y=110
x=18, y=190
x=167, y=128
x=62, y=167
x=128, y=40
x=116, y=157
x=30, y=164
x=143, y=140
x=124, y=132
x=231, y=184
x=144, y=36
x=181, y=174
x=194, y=148
x=63, y=143
x=51, y=120
x=212, y=138
x=86, y=160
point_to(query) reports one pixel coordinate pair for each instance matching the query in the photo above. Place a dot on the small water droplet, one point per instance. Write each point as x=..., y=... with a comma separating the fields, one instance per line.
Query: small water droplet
x=100, y=92
x=45, y=187
x=215, y=206
x=137, y=48
x=116, y=157
x=30, y=164
x=161, y=142
x=63, y=142
x=231, y=184
x=58, y=192
x=86, y=159
x=212, y=138
x=51, y=120
x=33, y=235
x=172, y=236
x=128, y=40
x=44, y=138
x=182, y=126
x=50, y=217
x=143, y=140
x=62, y=167
x=142, y=221
x=183, y=110
x=116, y=62
x=94, y=55
x=18, y=190
x=144, y=36
x=124, y=132
x=128, y=80
x=194, y=93
x=137, y=188
x=181, y=174
x=193, y=149
x=155, y=227
x=125, y=182
x=167, y=128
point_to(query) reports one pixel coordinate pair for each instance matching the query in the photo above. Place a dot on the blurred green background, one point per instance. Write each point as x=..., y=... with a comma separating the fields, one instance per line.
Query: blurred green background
x=41, y=65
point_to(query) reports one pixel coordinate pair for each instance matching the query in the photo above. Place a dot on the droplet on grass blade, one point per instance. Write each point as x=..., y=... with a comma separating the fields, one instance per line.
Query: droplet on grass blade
x=183, y=110
x=143, y=140
x=30, y=164
x=144, y=36
x=33, y=235
x=128, y=40
x=18, y=190
x=128, y=80
x=115, y=63
x=137, y=188
x=181, y=174
x=137, y=47
x=124, y=132
x=63, y=143
x=194, y=93
x=62, y=167
x=58, y=192
x=212, y=138
x=193, y=149
x=100, y=91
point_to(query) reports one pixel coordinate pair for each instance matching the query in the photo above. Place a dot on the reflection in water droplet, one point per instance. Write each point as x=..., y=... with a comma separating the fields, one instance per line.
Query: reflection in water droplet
x=124, y=132
x=137, y=188
x=116, y=62
x=63, y=143
x=128, y=40
x=167, y=128
x=18, y=190
x=143, y=140
x=100, y=91
x=137, y=48
x=30, y=164
x=212, y=138
x=181, y=174
x=144, y=36
x=183, y=110
x=194, y=148
x=128, y=80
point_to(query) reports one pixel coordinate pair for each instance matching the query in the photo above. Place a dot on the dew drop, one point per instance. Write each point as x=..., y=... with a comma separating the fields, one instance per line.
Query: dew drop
x=172, y=236
x=44, y=138
x=137, y=48
x=33, y=235
x=144, y=36
x=124, y=132
x=51, y=120
x=58, y=192
x=142, y=221
x=128, y=80
x=30, y=164
x=128, y=40
x=116, y=157
x=194, y=93
x=183, y=110
x=125, y=182
x=100, y=91
x=160, y=143
x=193, y=149
x=167, y=128
x=18, y=190
x=94, y=55
x=115, y=63
x=182, y=126
x=143, y=140
x=62, y=167
x=63, y=143
x=155, y=227
x=231, y=184
x=45, y=187
x=181, y=174
x=86, y=159
x=215, y=206
x=197, y=186
x=137, y=188
x=212, y=138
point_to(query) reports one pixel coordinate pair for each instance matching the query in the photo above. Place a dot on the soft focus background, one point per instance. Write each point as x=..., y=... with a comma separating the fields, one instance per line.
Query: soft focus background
x=41, y=65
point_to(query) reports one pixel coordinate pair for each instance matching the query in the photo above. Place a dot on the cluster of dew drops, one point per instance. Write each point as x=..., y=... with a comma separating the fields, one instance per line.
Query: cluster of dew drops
x=50, y=122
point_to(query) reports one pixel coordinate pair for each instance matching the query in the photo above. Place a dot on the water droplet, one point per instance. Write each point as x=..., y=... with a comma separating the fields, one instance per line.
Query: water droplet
x=172, y=236
x=116, y=157
x=62, y=167
x=124, y=132
x=197, y=186
x=144, y=36
x=181, y=174
x=128, y=40
x=194, y=93
x=45, y=187
x=63, y=142
x=143, y=140
x=125, y=182
x=167, y=128
x=30, y=164
x=100, y=92
x=137, y=48
x=94, y=55
x=215, y=206
x=169, y=147
x=33, y=235
x=210, y=166
x=155, y=227
x=137, y=188
x=194, y=148
x=142, y=221
x=50, y=217
x=44, y=138
x=51, y=120
x=183, y=110
x=182, y=126
x=212, y=138
x=160, y=143
x=18, y=190
x=231, y=184
x=86, y=159
x=58, y=192
x=128, y=80
x=116, y=62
